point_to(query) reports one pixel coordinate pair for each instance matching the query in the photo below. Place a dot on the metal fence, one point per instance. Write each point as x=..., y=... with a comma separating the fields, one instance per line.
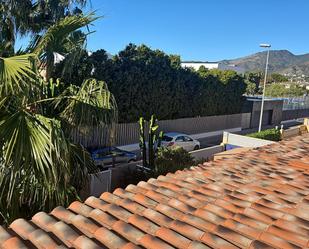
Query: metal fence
x=289, y=103
x=294, y=103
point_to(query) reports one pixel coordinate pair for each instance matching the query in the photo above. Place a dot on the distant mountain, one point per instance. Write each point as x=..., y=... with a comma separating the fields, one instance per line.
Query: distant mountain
x=281, y=61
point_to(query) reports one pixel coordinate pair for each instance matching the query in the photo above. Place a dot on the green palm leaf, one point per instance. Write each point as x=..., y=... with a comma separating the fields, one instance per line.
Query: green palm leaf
x=13, y=71
x=57, y=37
x=88, y=111
x=38, y=165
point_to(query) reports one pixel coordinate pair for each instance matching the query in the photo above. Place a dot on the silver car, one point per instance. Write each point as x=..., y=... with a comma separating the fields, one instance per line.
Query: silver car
x=173, y=139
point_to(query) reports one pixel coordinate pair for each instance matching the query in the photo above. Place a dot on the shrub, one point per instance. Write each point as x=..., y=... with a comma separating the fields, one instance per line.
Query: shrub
x=269, y=134
x=169, y=160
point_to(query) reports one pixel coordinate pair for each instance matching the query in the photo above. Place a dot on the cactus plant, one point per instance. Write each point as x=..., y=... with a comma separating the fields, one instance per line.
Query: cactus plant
x=154, y=141
x=142, y=140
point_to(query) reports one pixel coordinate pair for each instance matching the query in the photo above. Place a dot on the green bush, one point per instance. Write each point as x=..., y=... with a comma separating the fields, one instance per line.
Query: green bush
x=169, y=160
x=270, y=134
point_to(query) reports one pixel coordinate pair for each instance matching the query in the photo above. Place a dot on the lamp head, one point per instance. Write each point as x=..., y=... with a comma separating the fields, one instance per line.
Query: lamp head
x=265, y=45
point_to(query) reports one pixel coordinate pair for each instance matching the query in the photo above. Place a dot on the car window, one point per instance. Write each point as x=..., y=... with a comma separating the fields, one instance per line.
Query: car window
x=115, y=149
x=102, y=153
x=167, y=138
x=188, y=139
x=180, y=139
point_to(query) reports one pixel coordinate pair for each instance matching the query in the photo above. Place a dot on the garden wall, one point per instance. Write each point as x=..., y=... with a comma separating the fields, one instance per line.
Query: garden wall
x=129, y=133
x=294, y=114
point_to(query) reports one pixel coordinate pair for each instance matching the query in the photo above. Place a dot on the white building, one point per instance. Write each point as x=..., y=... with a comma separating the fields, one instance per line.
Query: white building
x=212, y=65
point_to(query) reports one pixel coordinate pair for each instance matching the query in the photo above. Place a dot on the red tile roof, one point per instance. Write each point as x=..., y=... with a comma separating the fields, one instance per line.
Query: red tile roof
x=255, y=199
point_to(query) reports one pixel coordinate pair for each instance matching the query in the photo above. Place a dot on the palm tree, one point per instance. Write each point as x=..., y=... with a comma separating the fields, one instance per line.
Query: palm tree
x=61, y=38
x=40, y=165
x=22, y=17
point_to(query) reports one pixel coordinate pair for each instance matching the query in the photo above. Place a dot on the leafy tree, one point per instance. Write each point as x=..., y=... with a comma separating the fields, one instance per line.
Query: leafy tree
x=252, y=81
x=280, y=90
x=277, y=78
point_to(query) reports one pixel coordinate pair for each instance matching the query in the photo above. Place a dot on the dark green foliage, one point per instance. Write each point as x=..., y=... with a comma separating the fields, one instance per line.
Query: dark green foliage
x=269, y=134
x=169, y=160
x=146, y=82
x=253, y=81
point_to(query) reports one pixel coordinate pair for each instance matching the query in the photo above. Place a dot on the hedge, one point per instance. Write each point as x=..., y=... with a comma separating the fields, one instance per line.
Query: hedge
x=269, y=134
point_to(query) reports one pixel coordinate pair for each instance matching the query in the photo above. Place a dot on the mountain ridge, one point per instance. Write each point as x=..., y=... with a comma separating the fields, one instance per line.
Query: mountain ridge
x=280, y=61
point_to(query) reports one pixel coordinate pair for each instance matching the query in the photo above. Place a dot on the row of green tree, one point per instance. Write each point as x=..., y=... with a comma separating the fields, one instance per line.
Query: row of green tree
x=146, y=82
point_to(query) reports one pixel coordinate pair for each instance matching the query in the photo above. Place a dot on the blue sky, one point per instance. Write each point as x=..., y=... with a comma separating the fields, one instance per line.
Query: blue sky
x=202, y=29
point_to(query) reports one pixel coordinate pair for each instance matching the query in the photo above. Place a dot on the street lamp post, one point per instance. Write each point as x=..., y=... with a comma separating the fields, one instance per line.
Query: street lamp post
x=265, y=79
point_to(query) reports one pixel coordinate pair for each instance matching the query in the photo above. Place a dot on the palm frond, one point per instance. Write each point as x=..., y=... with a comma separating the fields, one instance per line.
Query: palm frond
x=57, y=33
x=88, y=111
x=52, y=41
x=14, y=71
x=38, y=165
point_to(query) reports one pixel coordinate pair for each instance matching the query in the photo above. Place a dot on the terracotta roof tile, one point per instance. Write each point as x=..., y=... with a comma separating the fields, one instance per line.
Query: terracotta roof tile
x=255, y=199
x=157, y=217
x=143, y=224
x=84, y=242
x=96, y=203
x=277, y=242
x=152, y=242
x=233, y=236
x=288, y=235
x=102, y=218
x=198, y=222
x=128, y=231
x=198, y=245
x=4, y=235
x=187, y=230
x=217, y=242
x=241, y=228
x=13, y=243
x=44, y=220
x=110, y=239
x=172, y=237
x=65, y=233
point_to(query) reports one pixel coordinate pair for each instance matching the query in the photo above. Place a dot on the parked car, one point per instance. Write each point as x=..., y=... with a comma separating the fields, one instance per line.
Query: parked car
x=106, y=156
x=179, y=139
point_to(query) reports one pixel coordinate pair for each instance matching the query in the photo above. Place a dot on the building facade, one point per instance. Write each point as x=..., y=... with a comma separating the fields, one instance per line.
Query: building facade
x=212, y=65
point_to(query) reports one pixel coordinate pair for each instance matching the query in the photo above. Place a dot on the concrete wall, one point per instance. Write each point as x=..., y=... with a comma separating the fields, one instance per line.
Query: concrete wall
x=245, y=120
x=295, y=130
x=272, y=110
x=244, y=141
x=207, y=153
x=98, y=183
x=294, y=114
